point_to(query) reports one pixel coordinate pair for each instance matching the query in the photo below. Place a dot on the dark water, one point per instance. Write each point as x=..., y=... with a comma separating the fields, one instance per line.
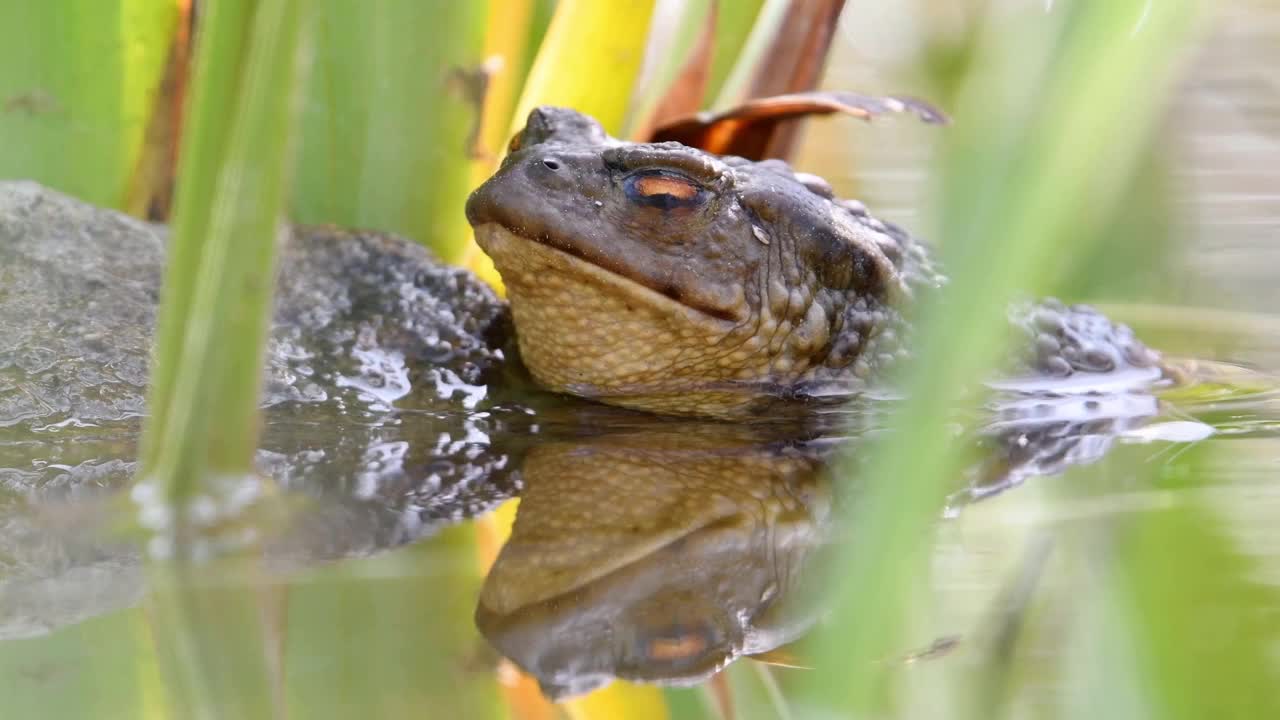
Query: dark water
x=655, y=549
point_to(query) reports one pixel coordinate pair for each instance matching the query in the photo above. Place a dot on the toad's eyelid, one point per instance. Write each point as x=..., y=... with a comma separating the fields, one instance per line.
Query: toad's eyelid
x=704, y=169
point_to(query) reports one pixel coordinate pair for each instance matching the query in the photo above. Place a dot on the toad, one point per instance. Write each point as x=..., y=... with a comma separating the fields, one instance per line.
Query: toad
x=659, y=277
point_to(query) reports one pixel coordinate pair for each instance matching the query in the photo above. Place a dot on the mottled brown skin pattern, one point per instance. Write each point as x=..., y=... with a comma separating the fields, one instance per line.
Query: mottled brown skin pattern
x=663, y=278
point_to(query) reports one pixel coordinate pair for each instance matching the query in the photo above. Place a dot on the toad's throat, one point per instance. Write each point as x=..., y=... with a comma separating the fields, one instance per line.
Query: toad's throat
x=611, y=264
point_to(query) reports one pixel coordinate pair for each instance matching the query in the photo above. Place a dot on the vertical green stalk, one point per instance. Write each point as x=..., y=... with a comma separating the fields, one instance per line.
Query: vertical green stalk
x=216, y=642
x=770, y=15
x=217, y=294
x=734, y=23
x=390, y=118
x=585, y=36
x=1050, y=126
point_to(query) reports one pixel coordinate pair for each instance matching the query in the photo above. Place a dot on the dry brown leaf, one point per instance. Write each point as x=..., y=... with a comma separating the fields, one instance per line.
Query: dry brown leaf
x=750, y=129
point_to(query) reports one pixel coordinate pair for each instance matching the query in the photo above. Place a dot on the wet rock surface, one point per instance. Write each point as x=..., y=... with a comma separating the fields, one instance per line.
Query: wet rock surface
x=362, y=319
x=376, y=403
x=375, y=346
x=79, y=288
x=375, y=363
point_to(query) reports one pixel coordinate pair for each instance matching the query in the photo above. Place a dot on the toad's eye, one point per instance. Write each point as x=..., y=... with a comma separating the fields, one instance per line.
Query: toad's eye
x=664, y=190
x=516, y=141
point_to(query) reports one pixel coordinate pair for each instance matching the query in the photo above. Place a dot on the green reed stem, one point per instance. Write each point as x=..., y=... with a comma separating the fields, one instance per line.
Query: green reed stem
x=1049, y=126
x=219, y=646
x=217, y=295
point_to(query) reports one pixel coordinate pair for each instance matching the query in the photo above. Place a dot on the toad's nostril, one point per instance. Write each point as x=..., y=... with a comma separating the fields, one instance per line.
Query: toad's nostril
x=551, y=164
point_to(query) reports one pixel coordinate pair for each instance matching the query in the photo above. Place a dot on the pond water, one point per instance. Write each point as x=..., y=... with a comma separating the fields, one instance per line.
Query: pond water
x=422, y=558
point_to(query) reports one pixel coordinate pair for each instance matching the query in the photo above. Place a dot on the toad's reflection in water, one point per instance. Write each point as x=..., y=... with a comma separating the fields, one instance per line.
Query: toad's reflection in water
x=655, y=555
x=662, y=553
x=645, y=537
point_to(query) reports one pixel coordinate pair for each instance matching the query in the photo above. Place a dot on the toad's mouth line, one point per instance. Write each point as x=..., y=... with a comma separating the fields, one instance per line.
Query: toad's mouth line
x=491, y=235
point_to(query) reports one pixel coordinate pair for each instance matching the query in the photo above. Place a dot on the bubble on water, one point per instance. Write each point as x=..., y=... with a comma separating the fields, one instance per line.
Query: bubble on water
x=203, y=510
x=210, y=516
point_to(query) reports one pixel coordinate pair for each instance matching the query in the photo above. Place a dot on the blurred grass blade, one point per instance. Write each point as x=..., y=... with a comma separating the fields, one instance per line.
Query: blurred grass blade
x=1038, y=148
x=77, y=82
x=734, y=20
x=391, y=636
x=736, y=86
x=691, y=703
x=512, y=29
x=389, y=125
x=1179, y=623
x=692, y=47
x=1205, y=648
x=217, y=293
x=217, y=646
x=220, y=644
x=511, y=37
x=603, y=43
